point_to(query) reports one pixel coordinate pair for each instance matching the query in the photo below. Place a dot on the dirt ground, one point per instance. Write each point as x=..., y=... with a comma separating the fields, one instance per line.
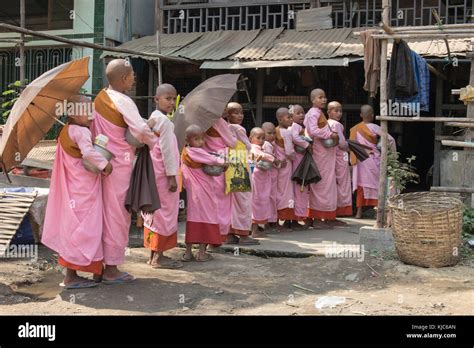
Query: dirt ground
x=243, y=284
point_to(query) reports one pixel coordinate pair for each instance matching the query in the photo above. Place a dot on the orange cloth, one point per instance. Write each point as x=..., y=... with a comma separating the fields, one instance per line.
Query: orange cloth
x=362, y=202
x=107, y=109
x=322, y=121
x=188, y=161
x=278, y=138
x=286, y=214
x=344, y=211
x=363, y=130
x=157, y=242
x=67, y=144
x=321, y=215
x=259, y=221
x=95, y=267
x=212, y=132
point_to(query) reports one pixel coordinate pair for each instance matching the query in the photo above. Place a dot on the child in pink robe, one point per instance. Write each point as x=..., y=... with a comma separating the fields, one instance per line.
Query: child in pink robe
x=73, y=222
x=323, y=195
x=218, y=139
x=343, y=176
x=161, y=227
x=284, y=150
x=269, y=147
x=301, y=146
x=202, y=221
x=241, y=210
x=365, y=175
x=261, y=181
x=114, y=112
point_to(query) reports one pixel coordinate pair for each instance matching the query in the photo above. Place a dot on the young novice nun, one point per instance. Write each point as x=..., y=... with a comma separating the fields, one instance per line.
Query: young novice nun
x=323, y=195
x=269, y=148
x=202, y=222
x=284, y=150
x=241, y=210
x=73, y=222
x=297, y=131
x=218, y=139
x=114, y=112
x=343, y=176
x=261, y=181
x=161, y=227
x=365, y=175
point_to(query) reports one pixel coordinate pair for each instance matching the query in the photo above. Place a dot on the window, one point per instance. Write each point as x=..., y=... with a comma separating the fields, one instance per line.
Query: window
x=39, y=14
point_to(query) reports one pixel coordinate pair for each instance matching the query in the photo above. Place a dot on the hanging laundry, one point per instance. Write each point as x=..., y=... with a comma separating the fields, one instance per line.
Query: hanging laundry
x=467, y=94
x=401, y=77
x=422, y=76
x=371, y=62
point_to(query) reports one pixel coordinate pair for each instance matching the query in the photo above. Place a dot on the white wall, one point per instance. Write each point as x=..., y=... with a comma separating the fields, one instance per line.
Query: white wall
x=143, y=17
x=116, y=21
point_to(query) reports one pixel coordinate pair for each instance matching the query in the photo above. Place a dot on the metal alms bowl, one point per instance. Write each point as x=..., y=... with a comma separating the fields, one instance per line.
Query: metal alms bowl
x=131, y=140
x=213, y=170
x=104, y=152
x=329, y=142
x=300, y=149
x=264, y=165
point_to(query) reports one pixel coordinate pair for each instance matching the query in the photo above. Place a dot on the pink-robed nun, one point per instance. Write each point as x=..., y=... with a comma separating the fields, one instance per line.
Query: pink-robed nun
x=73, y=222
x=217, y=139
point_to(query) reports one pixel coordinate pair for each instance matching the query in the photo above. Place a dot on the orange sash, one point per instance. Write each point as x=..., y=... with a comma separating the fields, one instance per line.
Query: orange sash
x=213, y=133
x=69, y=146
x=188, y=161
x=363, y=130
x=278, y=138
x=322, y=121
x=302, y=131
x=106, y=108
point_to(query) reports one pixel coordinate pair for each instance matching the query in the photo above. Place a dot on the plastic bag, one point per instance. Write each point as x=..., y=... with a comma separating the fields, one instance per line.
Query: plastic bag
x=237, y=177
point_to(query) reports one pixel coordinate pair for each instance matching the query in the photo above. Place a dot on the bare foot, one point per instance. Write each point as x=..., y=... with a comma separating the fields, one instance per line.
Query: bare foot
x=246, y=240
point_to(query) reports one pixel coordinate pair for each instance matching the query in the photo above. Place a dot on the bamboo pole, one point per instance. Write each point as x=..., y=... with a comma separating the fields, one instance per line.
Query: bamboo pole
x=22, y=43
x=458, y=144
x=423, y=119
x=386, y=4
x=435, y=36
x=158, y=38
x=94, y=46
x=452, y=189
x=460, y=125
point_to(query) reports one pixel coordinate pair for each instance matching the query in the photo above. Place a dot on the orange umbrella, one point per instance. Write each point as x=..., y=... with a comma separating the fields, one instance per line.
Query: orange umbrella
x=34, y=112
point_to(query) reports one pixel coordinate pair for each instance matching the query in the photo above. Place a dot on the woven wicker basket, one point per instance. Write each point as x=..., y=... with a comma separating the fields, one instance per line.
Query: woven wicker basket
x=427, y=228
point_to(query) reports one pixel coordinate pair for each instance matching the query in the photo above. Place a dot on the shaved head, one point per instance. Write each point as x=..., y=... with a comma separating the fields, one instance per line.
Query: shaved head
x=316, y=92
x=366, y=111
x=165, y=88
x=233, y=106
x=268, y=126
x=117, y=69
x=282, y=112
x=255, y=131
x=193, y=130
x=334, y=105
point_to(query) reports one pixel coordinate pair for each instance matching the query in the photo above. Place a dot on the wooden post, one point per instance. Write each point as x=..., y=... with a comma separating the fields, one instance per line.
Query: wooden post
x=259, y=98
x=151, y=75
x=22, y=43
x=438, y=128
x=50, y=14
x=383, y=124
x=468, y=176
x=158, y=43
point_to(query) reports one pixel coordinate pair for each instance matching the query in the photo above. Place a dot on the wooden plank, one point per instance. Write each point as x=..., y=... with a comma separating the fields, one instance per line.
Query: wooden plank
x=458, y=143
x=460, y=125
x=423, y=119
x=452, y=189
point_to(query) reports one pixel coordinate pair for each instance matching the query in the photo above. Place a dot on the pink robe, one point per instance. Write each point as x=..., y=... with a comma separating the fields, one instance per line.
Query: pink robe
x=301, y=198
x=285, y=197
x=73, y=221
x=203, y=214
x=366, y=174
x=241, y=210
x=165, y=157
x=323, y=195
x=262, y=208
x=114, y=187
x=219, y=145
x=343, y=176
x=269, y=148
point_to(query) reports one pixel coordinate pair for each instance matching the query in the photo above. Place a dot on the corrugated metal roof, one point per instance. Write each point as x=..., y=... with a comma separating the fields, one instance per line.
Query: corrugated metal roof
x=258, y=47
x=169, y=44
x=216, y=45
x=293, y=44
x=276, y=44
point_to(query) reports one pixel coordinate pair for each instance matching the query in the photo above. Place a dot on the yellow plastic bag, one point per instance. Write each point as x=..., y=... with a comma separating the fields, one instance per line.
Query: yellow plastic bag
x=237, y=177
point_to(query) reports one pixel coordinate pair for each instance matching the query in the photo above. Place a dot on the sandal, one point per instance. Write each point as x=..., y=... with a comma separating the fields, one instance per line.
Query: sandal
x=232, y=239
x=173, y=264
x=208, y=257
x=81, y=284
x=185, y=259
x=123, y=278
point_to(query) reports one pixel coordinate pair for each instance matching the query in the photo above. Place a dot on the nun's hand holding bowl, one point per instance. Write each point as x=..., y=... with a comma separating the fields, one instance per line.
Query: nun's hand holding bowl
x=108, y=169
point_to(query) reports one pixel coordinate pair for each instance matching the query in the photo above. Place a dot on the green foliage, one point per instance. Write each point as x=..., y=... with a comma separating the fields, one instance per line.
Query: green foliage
x=468, y=222
x=402, y=173
x=9, y=97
